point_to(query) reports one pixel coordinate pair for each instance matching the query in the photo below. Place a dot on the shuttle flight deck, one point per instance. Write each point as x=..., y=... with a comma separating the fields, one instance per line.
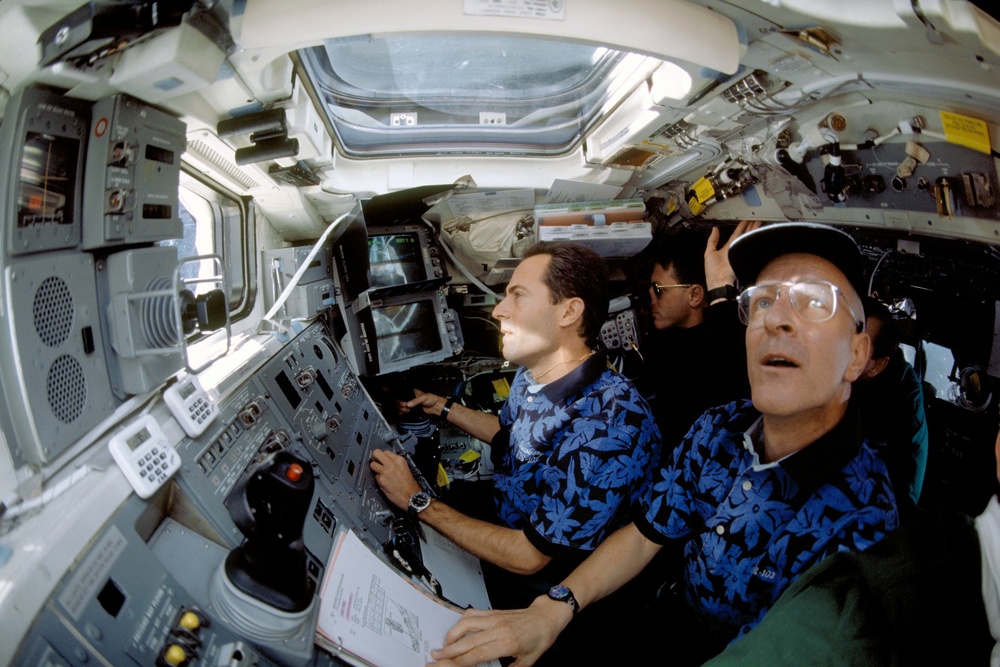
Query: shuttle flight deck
x=234, y=232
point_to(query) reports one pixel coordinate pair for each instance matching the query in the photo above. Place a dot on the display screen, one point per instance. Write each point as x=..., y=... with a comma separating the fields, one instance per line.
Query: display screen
x=48, y=180
x=395, y=259
x=406, y=330
x=137, y=439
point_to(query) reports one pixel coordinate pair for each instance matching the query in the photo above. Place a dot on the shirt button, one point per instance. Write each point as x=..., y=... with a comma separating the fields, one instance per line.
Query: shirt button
x=747, y=485
x=720, y=529
x=530, y=399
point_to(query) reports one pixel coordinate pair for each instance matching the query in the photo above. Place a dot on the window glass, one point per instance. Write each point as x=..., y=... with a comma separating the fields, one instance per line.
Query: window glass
x=939, y=366
x=214, y=223
x=447, y=93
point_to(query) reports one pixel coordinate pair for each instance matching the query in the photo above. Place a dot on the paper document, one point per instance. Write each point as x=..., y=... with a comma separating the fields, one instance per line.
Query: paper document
x=371, y=615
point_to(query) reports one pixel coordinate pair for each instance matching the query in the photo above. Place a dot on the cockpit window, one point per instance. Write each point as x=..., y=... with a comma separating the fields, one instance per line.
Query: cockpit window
x=214, y=223
x=424, y=94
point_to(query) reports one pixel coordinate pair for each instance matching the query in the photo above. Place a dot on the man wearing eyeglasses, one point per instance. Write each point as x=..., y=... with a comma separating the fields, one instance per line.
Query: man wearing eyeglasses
x=757, y=492
x=695, y=358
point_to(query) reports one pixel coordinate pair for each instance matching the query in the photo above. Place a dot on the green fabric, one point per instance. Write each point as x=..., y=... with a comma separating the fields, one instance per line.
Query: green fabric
x=914, y=598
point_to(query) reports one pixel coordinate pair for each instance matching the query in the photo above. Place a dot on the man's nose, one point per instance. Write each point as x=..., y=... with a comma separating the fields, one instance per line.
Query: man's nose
x=781, y=314
x=499, y=310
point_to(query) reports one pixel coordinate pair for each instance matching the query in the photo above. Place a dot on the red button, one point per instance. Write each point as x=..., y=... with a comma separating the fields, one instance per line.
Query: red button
x=294, y=472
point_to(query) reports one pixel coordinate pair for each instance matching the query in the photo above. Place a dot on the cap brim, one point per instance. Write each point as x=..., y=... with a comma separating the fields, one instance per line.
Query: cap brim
x=750, y=253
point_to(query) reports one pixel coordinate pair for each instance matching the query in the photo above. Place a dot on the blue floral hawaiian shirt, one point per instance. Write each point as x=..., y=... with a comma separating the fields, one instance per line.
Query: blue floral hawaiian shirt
x=573, y=457
x=751, y=528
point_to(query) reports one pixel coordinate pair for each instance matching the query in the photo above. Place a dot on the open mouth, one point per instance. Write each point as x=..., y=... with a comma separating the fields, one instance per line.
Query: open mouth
x=779, y=362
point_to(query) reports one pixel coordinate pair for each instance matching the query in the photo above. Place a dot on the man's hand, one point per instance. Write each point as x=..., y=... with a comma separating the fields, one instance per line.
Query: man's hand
x=524, y=634
x=718, y=272
x=431, y=404
x=392, y=474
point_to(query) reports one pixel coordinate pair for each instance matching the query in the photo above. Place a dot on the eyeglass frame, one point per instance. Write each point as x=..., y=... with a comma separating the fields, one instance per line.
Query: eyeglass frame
x=786, y=285
x=658, y=288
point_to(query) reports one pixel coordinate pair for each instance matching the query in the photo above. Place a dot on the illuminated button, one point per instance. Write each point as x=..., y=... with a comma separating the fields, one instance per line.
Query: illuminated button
x=174, y=655
x=189, y=621
x=720, y=529
x=294, y=472
x=747, y=485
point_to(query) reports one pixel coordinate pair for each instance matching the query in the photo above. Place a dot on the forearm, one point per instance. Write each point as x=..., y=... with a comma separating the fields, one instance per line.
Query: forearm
x=613, y=564
x=504, y=547
x=480, y=425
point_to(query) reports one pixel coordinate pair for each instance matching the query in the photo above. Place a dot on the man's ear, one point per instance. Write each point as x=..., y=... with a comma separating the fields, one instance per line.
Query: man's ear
x=696, y=296
x=861, y=349
x=877, y=366
x=572, y=312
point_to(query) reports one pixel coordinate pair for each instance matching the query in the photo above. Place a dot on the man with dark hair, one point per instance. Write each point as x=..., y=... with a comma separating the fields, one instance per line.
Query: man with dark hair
x=574, y=445
x=892, y=408
x=757, y=492
x=695, y=358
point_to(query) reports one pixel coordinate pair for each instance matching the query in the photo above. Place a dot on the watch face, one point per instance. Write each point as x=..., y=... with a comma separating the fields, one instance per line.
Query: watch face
x=560, y=593
x=419, y=501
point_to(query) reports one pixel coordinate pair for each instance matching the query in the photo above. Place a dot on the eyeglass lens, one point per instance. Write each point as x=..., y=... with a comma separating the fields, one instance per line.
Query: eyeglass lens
x=813, y=301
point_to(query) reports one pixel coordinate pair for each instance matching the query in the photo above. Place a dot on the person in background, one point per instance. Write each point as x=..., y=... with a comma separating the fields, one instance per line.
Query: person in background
x=575, y=445
x=757, y=492
x=695, y=358
x=892, y=408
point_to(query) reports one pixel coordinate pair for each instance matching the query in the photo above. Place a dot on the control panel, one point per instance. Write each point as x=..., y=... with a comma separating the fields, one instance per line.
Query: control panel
x=620, y=330
x=180, y=578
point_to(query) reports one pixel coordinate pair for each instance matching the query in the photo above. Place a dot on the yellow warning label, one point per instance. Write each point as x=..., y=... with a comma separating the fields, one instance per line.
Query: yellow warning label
x=703, y=190
x=501, y=387
x=442, y=476
x=965, y=131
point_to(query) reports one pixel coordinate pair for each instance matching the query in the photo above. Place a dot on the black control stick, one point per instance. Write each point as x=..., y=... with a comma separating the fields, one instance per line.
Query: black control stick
x=270, y=509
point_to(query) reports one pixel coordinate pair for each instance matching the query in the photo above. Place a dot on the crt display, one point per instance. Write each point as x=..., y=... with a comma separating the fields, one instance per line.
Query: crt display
x=48, y=180
x=394, y=259
x=406, y=330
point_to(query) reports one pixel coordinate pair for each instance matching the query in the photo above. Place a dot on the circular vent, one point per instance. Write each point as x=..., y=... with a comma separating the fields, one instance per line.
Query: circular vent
x=67, y=388
x=53, y=310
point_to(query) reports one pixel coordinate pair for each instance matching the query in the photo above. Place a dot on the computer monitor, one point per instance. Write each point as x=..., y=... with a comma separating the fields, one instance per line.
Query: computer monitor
x=394, y=333
x=404, y=258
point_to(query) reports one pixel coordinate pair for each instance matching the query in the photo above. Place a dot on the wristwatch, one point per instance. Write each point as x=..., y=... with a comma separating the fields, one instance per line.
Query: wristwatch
x=560, y=593
x=419, y=501
x=727, y=292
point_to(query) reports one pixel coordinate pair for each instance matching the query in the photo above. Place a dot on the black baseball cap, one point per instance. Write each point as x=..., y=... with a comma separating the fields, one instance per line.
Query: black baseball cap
x=750, y=253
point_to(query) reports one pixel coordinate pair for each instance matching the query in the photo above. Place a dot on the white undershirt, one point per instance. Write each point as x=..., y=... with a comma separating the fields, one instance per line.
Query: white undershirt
x=988, y=527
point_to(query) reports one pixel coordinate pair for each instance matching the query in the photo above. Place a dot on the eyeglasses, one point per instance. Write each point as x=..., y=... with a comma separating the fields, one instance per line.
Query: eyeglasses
x=812, y=300
x=658, y=289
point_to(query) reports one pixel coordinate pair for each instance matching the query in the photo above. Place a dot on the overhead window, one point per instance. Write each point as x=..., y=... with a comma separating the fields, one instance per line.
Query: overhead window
x=455, y=93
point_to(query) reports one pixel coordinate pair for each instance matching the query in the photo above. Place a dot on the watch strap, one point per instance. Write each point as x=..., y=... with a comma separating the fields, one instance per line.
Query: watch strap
x=727, y=292
x=446, y=409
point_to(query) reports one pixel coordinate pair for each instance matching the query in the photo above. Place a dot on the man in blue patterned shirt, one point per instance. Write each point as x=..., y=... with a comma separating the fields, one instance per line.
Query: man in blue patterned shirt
x=575, y=443
x=758, y=491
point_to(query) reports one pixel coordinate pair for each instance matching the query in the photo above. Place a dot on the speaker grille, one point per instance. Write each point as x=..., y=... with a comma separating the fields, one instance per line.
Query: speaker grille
x=53, y=310
x=67, y=388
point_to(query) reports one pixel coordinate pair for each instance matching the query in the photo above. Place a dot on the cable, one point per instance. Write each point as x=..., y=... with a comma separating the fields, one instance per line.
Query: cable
x=46, y=496
x=303, y=267
x=465, y=272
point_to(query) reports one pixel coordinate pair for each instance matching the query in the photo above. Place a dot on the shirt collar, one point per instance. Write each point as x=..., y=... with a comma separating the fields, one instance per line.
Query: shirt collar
x=814, y=465
x=577, y=379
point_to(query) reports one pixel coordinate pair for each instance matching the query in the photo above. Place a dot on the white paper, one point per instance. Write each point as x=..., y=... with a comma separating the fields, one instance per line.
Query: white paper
x=372, y=612
x=564, y=191
x=459, y=572
x=479, y=204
